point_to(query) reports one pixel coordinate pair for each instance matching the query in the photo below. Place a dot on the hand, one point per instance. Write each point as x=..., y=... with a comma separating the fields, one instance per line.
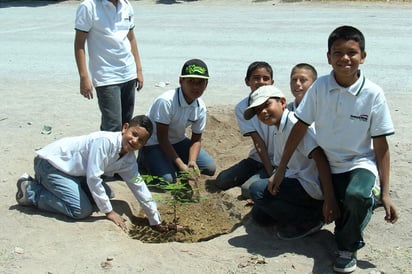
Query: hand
x=86, y=88
x=117, y=219
x=391, y=215
x=194, y=171
x=275, y=180
x=330, y=211
x=139, y=81
x=165, y=228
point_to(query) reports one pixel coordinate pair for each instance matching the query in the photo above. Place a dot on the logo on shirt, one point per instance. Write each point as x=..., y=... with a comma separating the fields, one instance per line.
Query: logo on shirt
x=362, y=117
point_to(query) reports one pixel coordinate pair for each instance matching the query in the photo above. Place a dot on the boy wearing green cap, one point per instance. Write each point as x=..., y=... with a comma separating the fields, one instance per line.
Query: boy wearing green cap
x=169, y=150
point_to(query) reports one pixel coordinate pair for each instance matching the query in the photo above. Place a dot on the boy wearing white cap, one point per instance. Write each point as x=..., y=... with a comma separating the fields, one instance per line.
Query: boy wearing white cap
x=169, y=151
x=296, y=204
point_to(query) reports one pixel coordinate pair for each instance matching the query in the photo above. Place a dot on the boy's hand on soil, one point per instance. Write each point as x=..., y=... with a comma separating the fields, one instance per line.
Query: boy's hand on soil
x=166, y=228
x=160, y=228
x=117, y=219
x=194, y=171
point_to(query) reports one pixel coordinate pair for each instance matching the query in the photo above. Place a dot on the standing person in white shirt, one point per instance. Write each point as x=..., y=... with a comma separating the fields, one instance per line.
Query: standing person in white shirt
x=68, y=171
x=114, y=62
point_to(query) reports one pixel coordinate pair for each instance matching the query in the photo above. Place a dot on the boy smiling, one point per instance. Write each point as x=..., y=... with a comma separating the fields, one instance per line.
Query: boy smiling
x=352, y=121
x=68, y=173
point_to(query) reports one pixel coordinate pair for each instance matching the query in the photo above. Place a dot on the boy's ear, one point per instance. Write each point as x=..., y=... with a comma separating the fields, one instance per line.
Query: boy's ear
x=125, y=127
x=363, y=57
x=247, y=82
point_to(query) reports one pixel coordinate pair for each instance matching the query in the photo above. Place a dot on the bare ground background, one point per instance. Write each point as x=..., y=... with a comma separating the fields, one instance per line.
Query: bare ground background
x=39, y=86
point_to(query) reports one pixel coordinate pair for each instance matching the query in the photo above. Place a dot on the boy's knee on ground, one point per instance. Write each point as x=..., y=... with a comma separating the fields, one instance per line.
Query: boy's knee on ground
x=83, y=211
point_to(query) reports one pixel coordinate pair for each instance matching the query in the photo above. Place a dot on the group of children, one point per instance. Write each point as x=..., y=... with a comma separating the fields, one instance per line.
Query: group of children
x=315, y=160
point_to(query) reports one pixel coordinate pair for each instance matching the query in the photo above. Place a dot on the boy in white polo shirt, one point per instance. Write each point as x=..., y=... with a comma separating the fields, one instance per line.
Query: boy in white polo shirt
x=114, y=62
x=297, y=207
x=259, y=162
x=169, y=151
x=352, y=121
x=68, y=173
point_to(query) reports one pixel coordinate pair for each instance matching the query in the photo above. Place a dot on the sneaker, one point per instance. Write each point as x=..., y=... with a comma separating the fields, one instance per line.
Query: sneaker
x=22, y=184
x=297, y=232
x=345, y=262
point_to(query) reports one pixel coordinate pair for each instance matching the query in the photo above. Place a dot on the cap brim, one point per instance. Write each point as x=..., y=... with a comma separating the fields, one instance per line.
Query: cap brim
x=250, y=111
x=194, y=76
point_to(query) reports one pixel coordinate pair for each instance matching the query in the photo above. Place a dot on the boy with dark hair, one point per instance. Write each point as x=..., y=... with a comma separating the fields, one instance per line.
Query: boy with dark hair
x=259, y=163
x=169, y=150
x=352, y=120
x=68, y=173
x=304, y=199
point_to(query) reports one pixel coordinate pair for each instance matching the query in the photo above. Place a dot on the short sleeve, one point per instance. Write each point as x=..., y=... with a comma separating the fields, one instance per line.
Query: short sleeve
x=84, y=17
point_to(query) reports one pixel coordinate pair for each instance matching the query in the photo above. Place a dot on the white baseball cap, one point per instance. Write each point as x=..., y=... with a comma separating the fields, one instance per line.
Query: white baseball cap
x=260, y=96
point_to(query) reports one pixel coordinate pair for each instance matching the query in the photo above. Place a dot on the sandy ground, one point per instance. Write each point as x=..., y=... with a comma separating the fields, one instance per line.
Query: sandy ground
x=39, y=86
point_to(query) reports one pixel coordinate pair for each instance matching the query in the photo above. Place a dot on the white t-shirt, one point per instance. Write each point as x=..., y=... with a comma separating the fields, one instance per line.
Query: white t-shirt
x=345, y=121
x=94, y=155
x=300, y=166
x=254, y=125
x=171, y=109
x=111, y=60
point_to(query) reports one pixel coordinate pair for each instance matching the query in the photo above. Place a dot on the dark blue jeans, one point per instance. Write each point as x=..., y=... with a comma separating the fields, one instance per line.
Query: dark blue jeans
x=239, y=173
x=116, y=103
x=292, y=205
x=152, y=160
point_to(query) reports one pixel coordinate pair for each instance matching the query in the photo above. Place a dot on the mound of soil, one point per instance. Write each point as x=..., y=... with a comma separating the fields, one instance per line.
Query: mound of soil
x=215, y=212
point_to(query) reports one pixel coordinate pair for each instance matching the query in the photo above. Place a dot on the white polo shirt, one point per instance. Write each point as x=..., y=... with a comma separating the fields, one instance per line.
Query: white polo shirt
x=345, y=121
x=246, y=127
x=110, y=58
x=94, y=155
x=171, y=109
x=300, y=166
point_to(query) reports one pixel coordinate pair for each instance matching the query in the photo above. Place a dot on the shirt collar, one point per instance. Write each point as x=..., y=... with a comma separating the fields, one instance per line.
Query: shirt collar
x=182, y=101
x=283, y=120
x=354, y=89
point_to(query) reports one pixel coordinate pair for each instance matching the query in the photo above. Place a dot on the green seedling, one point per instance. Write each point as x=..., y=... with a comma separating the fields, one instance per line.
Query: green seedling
x=181, y=191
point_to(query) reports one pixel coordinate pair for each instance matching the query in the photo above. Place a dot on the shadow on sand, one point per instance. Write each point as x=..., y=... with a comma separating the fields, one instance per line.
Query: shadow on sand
x=27, y=3
x=320, y=247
